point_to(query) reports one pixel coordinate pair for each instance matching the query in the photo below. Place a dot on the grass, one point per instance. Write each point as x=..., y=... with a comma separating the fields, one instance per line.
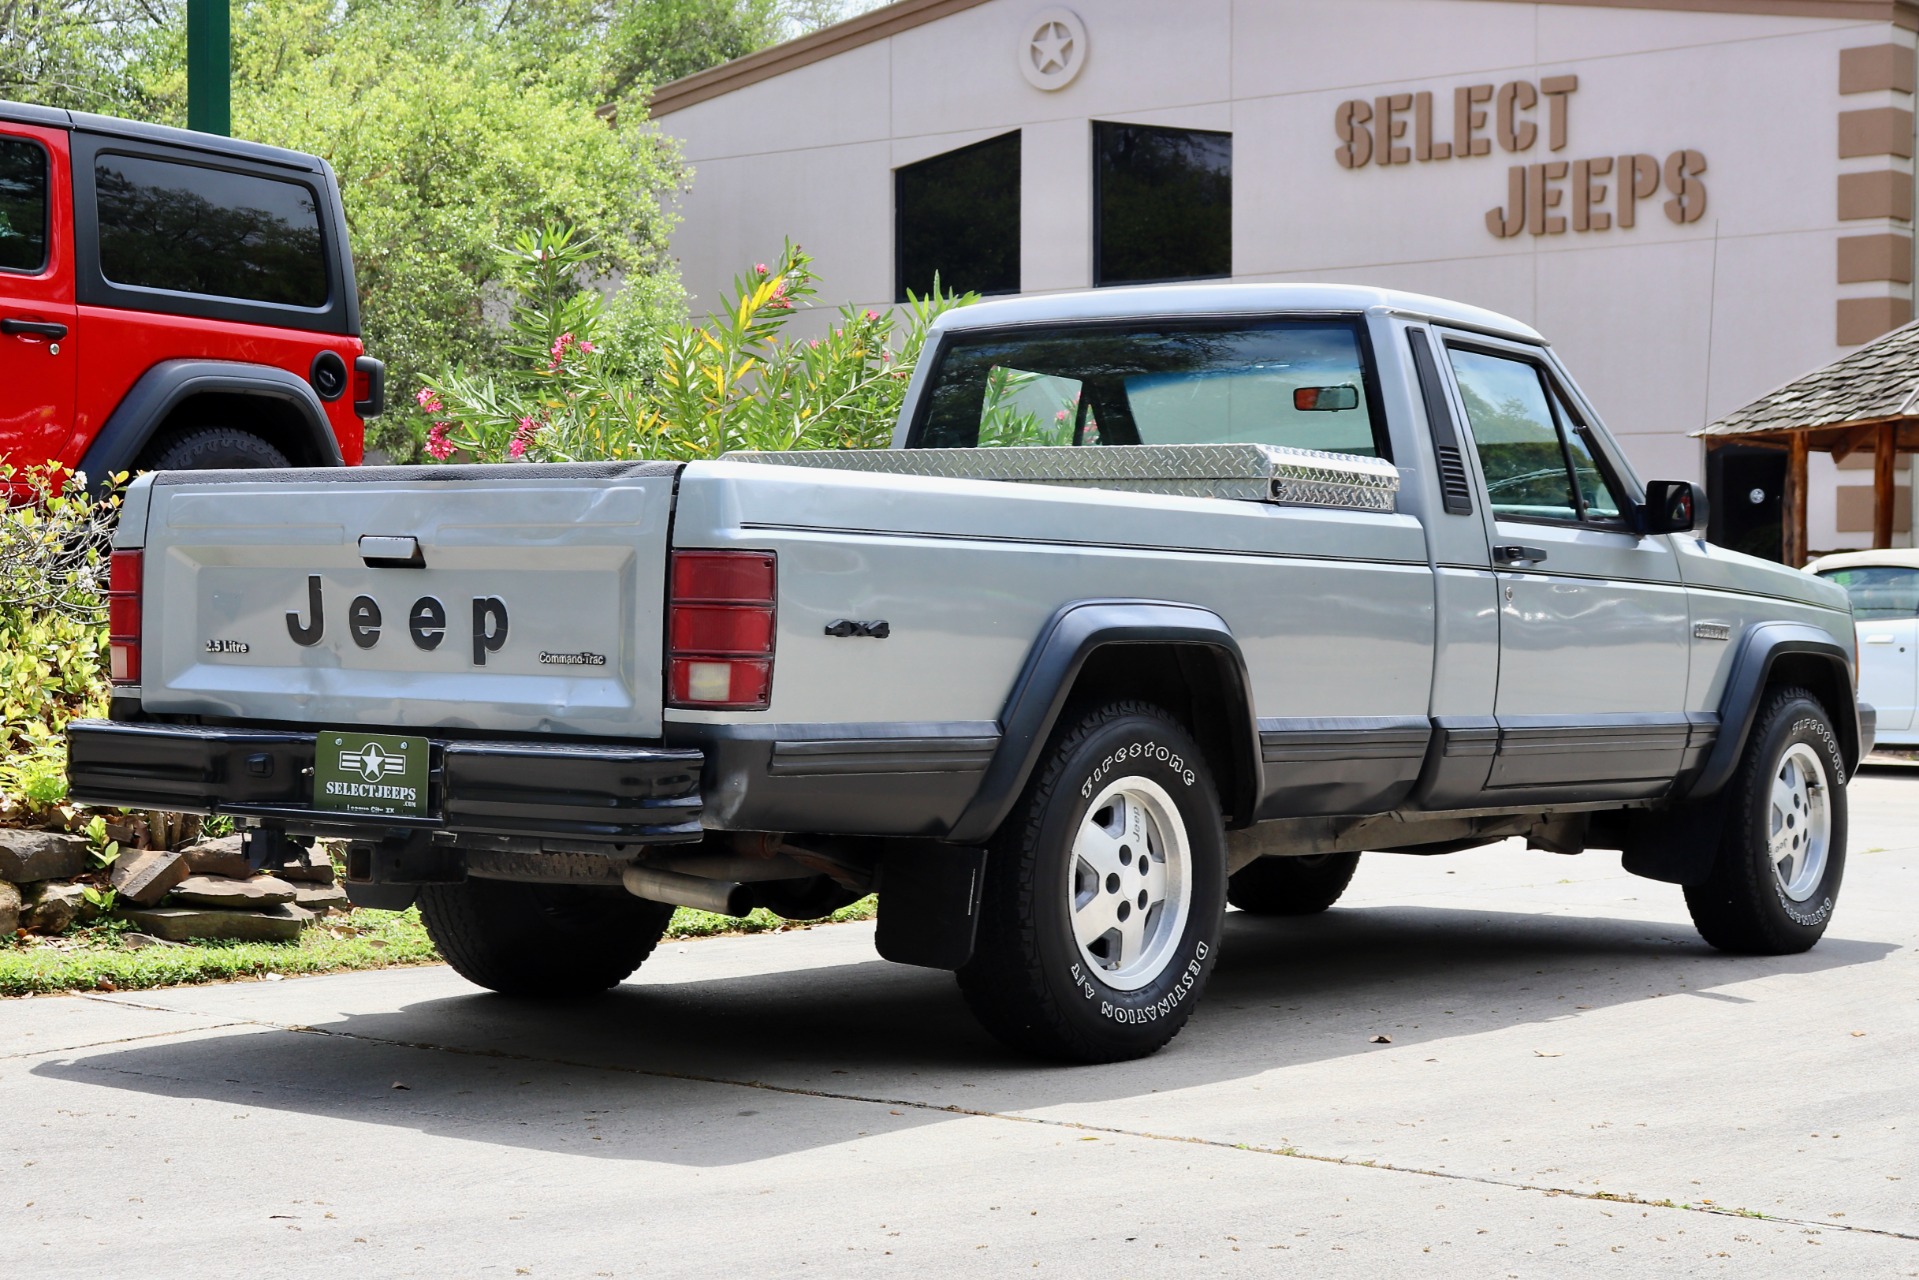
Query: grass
x=96, y=957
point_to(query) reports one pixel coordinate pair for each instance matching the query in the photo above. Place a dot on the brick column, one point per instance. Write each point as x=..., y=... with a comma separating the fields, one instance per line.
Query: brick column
x=1875, y=259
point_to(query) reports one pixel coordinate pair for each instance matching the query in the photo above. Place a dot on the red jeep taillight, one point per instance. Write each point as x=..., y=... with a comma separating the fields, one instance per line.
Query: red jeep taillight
x=719, y=630
x=123, y=616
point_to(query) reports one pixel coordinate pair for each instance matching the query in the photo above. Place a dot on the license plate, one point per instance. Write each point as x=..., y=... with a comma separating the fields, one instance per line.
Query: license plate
x=382, y=774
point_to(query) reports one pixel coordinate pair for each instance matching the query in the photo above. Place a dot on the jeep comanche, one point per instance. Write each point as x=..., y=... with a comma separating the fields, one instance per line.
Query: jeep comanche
x=1164, y=598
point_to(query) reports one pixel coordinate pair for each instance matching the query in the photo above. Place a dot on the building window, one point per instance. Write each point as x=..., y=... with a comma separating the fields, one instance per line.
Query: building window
x=956, y=215
x=1162, y=204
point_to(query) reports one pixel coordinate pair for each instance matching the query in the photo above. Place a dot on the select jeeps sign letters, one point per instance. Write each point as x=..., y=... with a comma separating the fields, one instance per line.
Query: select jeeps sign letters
x=1544, y=198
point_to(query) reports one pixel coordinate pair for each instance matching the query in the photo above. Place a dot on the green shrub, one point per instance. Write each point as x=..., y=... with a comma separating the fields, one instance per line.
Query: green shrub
x=737, y=381
x=53, y=635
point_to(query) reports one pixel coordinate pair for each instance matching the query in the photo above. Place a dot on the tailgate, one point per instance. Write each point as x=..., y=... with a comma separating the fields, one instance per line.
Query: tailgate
x=520, y=598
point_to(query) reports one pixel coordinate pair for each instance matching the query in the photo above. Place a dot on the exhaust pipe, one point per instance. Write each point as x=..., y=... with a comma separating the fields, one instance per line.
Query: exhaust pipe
x=722, y=897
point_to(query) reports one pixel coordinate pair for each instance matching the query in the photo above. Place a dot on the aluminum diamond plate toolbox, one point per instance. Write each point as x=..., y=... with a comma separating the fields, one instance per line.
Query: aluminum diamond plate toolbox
x=1249, y=472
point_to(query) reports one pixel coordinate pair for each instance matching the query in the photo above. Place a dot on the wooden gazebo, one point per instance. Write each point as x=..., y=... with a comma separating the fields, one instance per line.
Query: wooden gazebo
x=1868, y=400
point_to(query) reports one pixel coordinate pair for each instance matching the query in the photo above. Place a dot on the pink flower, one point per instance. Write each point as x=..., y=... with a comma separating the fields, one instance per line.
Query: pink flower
x=779, y=301
x=437, y=444
x=587, y=348
x=523, y=433
x=872, y=315
x=1060, y=416
x=558, y=350
x=760, y=267
x=429, y=400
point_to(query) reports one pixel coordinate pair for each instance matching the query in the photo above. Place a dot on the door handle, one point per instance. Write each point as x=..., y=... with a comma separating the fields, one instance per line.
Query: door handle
x=1878, y=639
x=38, y=328
x=1518, y=555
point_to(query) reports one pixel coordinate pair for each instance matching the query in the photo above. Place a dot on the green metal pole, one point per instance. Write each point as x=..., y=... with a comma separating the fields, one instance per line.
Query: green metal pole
x=209, y=67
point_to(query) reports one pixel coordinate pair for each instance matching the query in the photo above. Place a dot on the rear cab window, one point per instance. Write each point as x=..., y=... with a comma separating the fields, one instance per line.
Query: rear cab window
x=1304, y=384
x=187, y=228
x=23, y=205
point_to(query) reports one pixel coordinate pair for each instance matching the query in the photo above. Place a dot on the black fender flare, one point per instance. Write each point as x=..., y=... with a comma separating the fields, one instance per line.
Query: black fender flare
x=163, y=388
x=1760, y=651
x=1073, y=634
x=1678, y=843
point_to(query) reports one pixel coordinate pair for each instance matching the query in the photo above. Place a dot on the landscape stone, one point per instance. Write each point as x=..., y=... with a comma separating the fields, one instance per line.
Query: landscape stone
x=52, y=907
x=27, y=857
x=230, y=891
x=145, y=876
x=321, y=898
x=221, y=857
x=311, y=866
x=182, y=924
x=9, y=909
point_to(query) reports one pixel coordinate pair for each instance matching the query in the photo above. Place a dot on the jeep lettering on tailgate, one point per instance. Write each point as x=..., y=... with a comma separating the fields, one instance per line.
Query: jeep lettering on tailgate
x=426, y=622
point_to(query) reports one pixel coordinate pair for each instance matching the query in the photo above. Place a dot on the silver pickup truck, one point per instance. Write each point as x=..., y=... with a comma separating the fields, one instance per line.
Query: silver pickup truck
x=1164, y=598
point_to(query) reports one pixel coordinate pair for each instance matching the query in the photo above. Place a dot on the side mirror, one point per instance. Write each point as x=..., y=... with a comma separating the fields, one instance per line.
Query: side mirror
x=1673, y=506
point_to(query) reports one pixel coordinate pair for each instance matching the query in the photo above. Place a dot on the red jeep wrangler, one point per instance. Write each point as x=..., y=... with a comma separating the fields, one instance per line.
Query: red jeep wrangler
x=173, y=300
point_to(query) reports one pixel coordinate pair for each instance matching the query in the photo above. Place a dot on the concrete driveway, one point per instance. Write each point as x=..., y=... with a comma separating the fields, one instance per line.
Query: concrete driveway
x=1574, y=1082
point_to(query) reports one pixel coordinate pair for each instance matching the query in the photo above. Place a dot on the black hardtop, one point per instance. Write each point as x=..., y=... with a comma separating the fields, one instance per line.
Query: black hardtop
x=135, y=131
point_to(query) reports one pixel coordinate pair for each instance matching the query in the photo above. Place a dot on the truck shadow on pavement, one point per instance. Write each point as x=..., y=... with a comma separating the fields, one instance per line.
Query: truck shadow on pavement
x=729, y=1070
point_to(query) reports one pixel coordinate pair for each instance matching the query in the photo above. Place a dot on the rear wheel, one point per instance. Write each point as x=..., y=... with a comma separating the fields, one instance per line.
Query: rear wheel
x=1783, y=850
x=1291, y=886
x=541, y=939
x=215, y=449
x=1104, y=891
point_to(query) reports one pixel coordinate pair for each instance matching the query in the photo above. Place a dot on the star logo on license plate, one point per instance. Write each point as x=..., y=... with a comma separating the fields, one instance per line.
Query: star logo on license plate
x=372, y=762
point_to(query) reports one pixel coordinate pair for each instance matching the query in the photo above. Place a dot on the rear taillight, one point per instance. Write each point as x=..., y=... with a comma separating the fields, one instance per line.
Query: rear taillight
x=720, y=628
x=123, y=615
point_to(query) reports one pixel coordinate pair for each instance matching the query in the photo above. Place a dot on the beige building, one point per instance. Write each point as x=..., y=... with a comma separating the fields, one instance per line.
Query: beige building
x=1697, y=200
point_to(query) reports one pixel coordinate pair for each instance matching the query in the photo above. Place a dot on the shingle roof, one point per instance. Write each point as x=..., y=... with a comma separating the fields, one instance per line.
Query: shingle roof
x=1877, y=382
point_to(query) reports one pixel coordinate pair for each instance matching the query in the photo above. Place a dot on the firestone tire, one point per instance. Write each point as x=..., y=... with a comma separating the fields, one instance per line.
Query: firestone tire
x=541, y=940
x=1104, y=894
x=1291, y=886
x=216, y=449
x=1783, y=850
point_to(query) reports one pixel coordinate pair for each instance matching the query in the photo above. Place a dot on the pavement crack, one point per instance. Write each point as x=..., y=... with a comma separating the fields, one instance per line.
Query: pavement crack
x=1014, y=1117
x=105, y=1044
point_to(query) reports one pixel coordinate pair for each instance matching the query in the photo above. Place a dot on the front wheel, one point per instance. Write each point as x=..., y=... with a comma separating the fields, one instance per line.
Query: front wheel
x=1104, y=893
x=1783, y=850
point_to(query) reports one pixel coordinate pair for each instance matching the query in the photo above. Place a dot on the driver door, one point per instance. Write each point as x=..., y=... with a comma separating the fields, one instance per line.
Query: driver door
x=1594, y=621
x=37, y=310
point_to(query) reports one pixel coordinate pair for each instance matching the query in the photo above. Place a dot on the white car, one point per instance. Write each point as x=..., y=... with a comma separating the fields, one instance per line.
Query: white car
x=1884, y=586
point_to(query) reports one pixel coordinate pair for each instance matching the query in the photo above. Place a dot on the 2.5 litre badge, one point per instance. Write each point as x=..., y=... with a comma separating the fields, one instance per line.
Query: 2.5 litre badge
x=382, y=774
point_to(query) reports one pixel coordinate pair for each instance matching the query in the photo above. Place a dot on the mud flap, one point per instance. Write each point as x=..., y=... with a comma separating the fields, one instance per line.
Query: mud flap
x=929, y=903
x=1677, y=845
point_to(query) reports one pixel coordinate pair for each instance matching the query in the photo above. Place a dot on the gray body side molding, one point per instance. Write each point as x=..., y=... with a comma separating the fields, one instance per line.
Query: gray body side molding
x=164, y=387
x=1039, y=695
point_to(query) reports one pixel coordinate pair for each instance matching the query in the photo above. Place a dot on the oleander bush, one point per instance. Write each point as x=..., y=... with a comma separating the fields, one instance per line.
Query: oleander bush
x=738, y=380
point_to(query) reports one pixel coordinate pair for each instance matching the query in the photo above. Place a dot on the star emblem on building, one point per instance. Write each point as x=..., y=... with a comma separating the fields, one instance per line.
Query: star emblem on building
x=1052, y=48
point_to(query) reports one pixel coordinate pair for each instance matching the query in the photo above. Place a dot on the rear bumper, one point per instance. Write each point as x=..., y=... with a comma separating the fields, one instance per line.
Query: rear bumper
x=615, y=794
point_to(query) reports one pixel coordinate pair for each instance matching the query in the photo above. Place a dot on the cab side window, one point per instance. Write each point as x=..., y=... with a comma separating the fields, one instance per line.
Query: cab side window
x=23, y=206
x=1537, y=461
